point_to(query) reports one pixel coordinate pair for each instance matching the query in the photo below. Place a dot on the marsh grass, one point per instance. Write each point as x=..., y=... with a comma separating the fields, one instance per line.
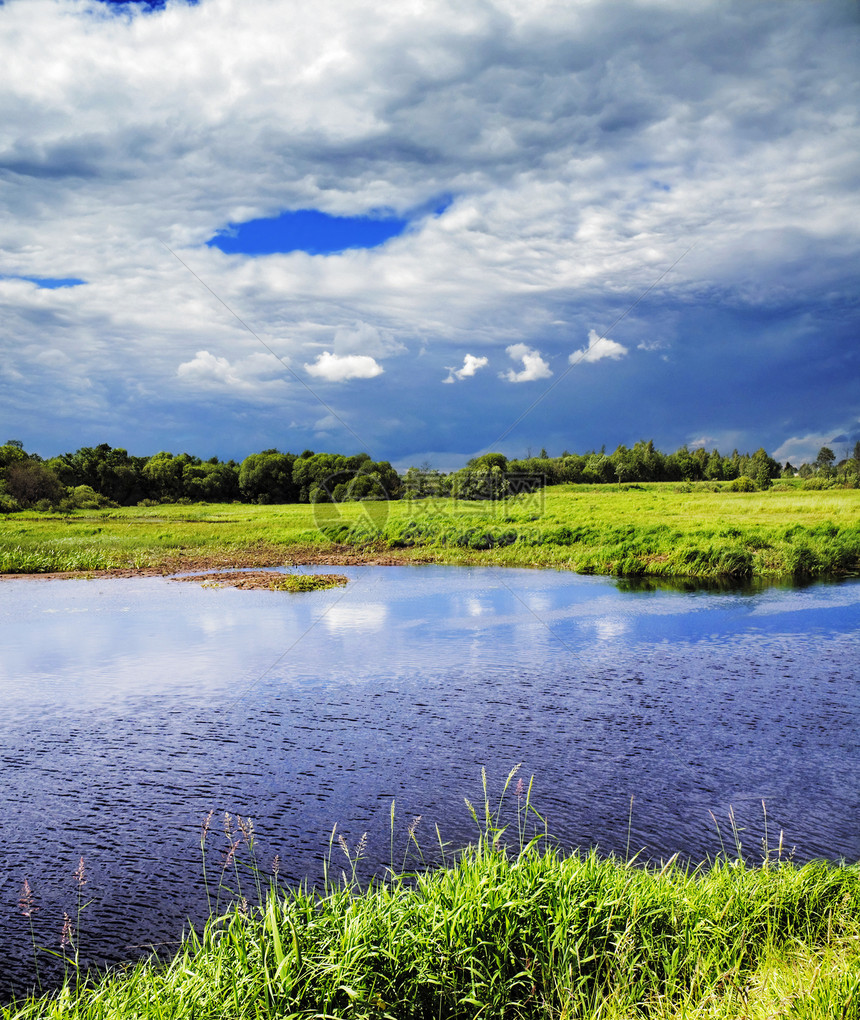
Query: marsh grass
x=509, y=926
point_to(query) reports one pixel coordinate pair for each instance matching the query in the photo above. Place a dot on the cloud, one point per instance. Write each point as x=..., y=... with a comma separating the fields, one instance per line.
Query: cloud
x=534, y=367
x=253, y=374
x=340, y=368
x=553, y=161
x=205, y=366
x=804, y=449
x=599, y=347
x=471, y=364
x=364, y=338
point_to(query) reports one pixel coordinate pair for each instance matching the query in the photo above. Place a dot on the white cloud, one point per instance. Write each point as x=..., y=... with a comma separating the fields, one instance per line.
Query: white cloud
x=256, y=373
x=340, y=368
x=652, y=345
x=804, y=449
x=534, y=367
x=599, y=347
x=207, y=367
x=471, y=364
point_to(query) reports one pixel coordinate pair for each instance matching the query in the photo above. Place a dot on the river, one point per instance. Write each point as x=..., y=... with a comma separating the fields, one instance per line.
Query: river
x=131, y=708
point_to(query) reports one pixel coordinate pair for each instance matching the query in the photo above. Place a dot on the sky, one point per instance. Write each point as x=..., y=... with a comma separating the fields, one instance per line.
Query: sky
x=430, y=229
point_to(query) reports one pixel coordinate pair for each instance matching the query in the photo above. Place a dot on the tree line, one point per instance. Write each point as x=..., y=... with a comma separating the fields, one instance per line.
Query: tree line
x=98, y=476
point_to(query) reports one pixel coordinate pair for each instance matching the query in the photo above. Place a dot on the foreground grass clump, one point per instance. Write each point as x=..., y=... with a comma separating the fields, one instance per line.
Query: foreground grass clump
x=537, y=935
x=658, y=530
x=494, y=934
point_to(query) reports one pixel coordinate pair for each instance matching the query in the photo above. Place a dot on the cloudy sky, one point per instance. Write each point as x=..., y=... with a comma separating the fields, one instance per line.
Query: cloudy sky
x=430, y=228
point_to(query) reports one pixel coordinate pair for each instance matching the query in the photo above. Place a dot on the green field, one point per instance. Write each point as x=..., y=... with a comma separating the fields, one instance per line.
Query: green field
x=656, y=530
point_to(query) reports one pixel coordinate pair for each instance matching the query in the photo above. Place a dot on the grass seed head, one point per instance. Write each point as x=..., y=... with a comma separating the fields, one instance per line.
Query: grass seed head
x=26, y=903
x=362, y=846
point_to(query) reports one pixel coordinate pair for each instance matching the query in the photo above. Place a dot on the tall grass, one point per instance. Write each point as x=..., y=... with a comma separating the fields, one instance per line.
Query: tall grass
x=508, y=927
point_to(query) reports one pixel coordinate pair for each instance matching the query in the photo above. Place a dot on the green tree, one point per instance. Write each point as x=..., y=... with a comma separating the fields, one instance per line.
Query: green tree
x=11, y=453
x=110, y=472
x=490, y=460
x=714, y=467
x=212, y=482
x=267, y=477
x=163, y=474
x=598, y=468
x=762, y=468
x=30, y=482
x=825, y=460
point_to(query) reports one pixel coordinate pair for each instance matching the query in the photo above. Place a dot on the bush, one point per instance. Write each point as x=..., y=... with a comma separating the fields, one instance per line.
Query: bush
x=84, y=497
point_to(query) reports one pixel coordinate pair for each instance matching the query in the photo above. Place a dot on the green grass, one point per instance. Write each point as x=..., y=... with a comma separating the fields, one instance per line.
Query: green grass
x=655, y=530
x=496, y=932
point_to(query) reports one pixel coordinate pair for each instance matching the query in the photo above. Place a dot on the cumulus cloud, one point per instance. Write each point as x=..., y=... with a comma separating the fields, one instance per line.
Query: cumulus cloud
x=599, y=347
x=206, y=370
x=341, y=367
x=534, y=366
x=471, y=364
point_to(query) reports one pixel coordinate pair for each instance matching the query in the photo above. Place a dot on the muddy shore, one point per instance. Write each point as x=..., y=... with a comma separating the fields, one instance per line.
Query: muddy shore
x=304, y=556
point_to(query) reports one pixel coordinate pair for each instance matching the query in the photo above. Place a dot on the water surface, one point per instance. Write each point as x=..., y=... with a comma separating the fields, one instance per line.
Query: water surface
x=130, y=709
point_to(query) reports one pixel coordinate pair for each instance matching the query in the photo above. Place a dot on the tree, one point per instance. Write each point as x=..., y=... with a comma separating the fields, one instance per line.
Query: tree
x=625, y=465
x=110, y=472
x=212, y=482
x=30, y=482
x=11, y=453
x=163, y=474
x=491, y=460
x=824, y=461
x=714, y=467
x=267, y=477
x=763, y=468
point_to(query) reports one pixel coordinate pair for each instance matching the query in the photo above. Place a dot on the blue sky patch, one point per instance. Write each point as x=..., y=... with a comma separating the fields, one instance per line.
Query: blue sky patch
x=147, y=4
x=47, y=282
x=308, y=230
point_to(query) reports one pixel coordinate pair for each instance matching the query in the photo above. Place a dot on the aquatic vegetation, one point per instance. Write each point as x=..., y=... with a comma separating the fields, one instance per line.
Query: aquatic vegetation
x=267, y=579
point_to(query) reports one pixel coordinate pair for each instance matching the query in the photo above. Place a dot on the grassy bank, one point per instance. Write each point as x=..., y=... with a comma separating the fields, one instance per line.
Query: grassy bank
x=533, y=933
x=648, y=530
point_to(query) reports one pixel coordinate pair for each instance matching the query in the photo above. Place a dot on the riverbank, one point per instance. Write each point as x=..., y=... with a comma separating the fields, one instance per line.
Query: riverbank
x=657, y=530
x=492, y=935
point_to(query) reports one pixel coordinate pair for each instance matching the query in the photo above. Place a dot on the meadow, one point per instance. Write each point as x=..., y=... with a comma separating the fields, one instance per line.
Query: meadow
x=507, y=927
x=651, y=530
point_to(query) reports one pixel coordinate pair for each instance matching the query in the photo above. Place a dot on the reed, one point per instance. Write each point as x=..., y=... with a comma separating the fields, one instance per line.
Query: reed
x=510, y=926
